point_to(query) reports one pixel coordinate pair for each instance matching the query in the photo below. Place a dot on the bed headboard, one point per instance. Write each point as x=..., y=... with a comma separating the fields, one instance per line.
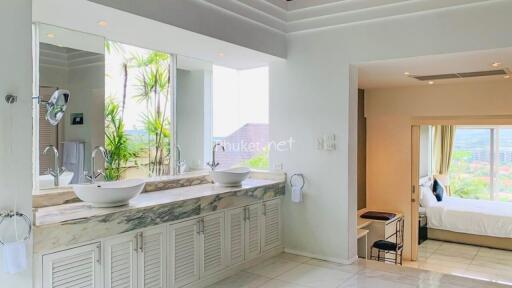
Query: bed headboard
x=426, y=181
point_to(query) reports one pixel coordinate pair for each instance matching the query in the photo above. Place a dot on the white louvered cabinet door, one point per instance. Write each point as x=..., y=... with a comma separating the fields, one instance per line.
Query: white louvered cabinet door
x=213, y=248
x=271, y=227
x=252, y=232
x=235, y=238
x=121, y=261
x=152, y=258
x=184, y=253
x=73, y=268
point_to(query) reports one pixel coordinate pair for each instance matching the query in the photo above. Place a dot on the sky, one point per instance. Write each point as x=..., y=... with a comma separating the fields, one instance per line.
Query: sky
x=239, y=97
x=114, y=83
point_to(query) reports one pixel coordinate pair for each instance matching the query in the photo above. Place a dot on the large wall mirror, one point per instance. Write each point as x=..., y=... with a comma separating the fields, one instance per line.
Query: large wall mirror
x=74, y=62
x=149, y=110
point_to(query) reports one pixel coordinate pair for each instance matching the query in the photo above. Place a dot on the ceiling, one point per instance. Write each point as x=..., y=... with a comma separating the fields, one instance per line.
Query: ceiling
x=83, y=15
x=390, y=73
x=304, y=15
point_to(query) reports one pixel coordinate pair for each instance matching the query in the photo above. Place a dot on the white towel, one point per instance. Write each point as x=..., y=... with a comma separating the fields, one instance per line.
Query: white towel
x=14, y=257
x=296, y=194
x=73, y=159
x=70, y=153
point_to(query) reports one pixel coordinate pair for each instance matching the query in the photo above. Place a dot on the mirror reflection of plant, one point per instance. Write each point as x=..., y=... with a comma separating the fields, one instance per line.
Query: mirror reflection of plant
x=153, y=89
x=117, y=142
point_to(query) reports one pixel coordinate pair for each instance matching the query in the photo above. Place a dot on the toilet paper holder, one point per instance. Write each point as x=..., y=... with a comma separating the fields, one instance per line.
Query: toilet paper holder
x=12, y=214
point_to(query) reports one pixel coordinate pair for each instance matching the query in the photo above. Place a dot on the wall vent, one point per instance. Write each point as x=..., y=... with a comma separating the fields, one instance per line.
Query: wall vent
x=460, y=75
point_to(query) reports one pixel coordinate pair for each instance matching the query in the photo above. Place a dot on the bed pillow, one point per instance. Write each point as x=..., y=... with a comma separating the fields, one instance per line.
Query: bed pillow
x=438, y=190
x=427, y=198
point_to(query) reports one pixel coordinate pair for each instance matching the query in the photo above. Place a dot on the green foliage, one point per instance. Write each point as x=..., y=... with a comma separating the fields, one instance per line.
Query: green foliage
x=150, y=150
x=259, y=161
x=468, y=179
x=153, y=89
x=116, y=141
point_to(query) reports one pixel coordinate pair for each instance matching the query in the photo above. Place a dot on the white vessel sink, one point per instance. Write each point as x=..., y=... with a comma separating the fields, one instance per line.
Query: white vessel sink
x=230, y=177
x=46, y=181
x=109, y=194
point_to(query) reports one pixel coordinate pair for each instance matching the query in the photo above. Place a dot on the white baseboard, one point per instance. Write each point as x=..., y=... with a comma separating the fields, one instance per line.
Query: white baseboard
x=330, y=259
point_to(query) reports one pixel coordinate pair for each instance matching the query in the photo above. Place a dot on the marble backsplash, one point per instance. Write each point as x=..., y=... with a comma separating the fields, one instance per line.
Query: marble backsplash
x=70, y=224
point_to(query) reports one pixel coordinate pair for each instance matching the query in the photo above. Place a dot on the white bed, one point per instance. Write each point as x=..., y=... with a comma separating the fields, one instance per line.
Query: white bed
x=478, y=217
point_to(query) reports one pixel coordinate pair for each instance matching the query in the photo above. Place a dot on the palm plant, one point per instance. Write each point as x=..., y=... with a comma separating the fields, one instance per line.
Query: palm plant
x=116, y=142
x=153, y=89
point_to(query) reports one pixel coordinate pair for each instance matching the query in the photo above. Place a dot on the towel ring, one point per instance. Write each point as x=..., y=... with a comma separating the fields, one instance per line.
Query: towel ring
x=12, y=214
x=301, y=181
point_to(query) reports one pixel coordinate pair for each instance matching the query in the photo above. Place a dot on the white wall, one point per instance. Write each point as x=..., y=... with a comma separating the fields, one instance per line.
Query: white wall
x=310, y=94
x=192, y=92
x=16, y=121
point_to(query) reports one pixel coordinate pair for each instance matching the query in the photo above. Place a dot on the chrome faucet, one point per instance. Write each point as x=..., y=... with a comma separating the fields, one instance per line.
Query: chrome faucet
x=214, y=164
x=56, y=171
x=179, y=162
x=95, y=174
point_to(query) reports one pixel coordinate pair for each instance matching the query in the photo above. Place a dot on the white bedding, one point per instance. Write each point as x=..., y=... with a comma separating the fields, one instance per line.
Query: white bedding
x=480, y=217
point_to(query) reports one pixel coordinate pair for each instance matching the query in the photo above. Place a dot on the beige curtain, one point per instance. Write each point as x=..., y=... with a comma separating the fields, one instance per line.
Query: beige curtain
x=444, y=136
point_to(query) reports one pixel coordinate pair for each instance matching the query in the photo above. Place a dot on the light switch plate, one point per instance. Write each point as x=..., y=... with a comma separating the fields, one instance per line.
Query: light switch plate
x=320, y=143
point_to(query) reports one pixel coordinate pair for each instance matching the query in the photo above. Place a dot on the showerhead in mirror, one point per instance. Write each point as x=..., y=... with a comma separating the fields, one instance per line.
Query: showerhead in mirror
x=56, y=106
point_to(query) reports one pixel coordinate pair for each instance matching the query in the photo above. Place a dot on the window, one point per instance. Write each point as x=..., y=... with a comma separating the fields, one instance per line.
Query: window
x=138, y=133
x=481, y=163
x=240, y=116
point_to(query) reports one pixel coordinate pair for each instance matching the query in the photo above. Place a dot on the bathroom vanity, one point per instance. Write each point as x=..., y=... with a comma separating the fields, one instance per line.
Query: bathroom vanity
x=189, y=236
x=182, y=230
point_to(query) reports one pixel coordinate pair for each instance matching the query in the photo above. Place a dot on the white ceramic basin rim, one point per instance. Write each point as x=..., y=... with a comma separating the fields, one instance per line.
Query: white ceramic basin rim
x=230, y=177
x=47, y=181
x=109, y=194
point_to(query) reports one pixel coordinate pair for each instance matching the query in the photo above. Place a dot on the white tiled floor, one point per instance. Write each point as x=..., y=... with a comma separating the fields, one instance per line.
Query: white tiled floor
x=292, y=271
x=466, y=260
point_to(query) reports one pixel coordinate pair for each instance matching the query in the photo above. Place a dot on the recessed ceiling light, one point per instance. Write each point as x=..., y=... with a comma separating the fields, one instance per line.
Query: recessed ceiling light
x=50, y=35
x=407, y=73
x=431, y=82
x=220, y=54
x=103, y=23
x=496, y=64
x=506, y=76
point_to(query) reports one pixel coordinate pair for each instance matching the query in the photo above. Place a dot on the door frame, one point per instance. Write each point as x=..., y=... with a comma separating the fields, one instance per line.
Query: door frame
x=415, y=124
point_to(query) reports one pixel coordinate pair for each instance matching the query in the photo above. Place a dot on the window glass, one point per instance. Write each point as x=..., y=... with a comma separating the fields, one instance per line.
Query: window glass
x=240, y=116
x=470, y=169
x=137, y=112
x=504, y=169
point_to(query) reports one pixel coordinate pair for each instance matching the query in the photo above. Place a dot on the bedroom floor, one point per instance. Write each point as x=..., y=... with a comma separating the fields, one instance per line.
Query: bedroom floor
x=292, y=271
x=465, y=260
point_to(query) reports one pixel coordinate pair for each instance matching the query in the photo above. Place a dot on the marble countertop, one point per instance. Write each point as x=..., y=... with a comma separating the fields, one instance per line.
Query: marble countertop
x=68, y=213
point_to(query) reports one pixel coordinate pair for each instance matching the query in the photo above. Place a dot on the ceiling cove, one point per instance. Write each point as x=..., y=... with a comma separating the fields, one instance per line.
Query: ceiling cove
x=305, y=15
